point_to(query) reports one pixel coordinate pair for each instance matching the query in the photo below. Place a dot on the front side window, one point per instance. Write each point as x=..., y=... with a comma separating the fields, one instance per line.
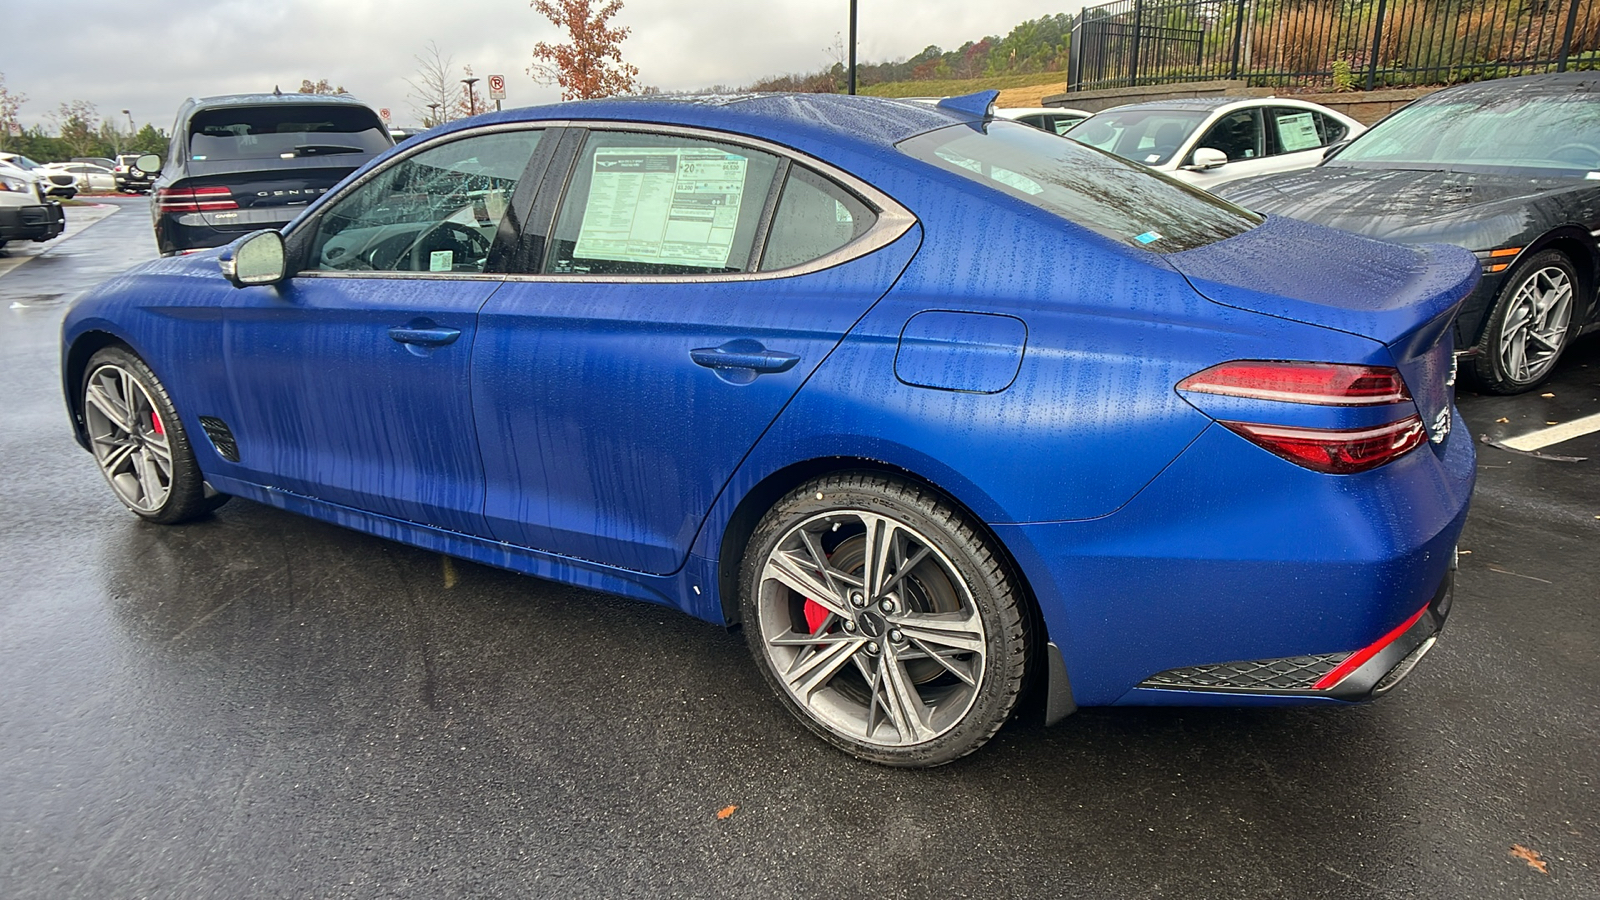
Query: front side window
x=1237, y=134
x=655, y=204
x=434, y=211
x=1095, y=190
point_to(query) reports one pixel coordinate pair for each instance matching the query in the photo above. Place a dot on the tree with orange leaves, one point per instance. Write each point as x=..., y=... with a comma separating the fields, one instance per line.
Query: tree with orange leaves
x=591, y=65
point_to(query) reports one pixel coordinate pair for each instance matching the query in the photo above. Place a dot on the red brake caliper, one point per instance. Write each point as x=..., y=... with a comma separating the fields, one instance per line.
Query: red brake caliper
x=155, y=423
x=816, y=615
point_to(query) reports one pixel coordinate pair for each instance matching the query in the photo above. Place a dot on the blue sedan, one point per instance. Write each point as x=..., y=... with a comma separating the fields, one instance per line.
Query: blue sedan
x=934, y=405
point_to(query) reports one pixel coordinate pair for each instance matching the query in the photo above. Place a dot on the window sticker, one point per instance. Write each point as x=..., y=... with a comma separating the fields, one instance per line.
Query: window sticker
x=1297, y=132
x=441, y=261
x=672, y=206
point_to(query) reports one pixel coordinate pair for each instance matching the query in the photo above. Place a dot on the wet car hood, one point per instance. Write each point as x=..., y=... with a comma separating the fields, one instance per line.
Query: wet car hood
x=1409, y=205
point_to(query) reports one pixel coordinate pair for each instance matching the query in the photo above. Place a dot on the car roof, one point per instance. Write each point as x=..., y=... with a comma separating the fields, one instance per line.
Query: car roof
x=825, y=118
x=1550, y=84
x=274, y=98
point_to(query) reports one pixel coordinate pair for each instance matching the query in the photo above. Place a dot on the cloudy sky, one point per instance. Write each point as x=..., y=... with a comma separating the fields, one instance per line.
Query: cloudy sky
x=105, y=52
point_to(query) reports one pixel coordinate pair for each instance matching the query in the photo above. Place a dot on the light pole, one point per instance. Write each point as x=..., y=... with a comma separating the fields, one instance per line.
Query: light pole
x=852, y=47
x=131, y=130
x=433, y=115
x=472, y=105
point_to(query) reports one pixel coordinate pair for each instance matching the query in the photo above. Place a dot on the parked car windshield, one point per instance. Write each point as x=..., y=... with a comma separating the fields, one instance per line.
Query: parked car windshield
x=1083, y=185
x=1148, y=136
x=1511, y=131
x=26, y=163
x=287, y=130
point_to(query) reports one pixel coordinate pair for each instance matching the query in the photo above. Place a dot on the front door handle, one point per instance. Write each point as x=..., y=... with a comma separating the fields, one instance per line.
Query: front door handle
x=428, y=335
x=744, y=354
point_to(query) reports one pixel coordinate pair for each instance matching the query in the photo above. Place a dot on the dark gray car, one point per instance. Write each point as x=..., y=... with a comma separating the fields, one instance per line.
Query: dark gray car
x=1509, y=169
x=242, y=163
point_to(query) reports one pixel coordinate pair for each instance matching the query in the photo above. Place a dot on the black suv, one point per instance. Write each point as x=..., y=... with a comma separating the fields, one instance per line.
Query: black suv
x=251, y=161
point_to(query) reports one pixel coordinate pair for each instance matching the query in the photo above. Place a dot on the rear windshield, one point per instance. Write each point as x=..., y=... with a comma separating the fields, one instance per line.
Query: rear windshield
x=1088, y=187
x=285, y=131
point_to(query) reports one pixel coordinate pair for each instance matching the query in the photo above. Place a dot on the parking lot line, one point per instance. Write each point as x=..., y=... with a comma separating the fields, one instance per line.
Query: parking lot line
x=1544, y=437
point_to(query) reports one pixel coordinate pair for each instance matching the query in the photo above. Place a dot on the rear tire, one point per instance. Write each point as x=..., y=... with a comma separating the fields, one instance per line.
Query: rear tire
x=1529, y=326
x=884, y=620
x=138, y=441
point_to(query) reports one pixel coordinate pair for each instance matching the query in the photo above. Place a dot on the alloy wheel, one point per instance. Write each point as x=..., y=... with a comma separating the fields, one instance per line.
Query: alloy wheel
x=128, y=437
x=870, y=628
x=1536, y=322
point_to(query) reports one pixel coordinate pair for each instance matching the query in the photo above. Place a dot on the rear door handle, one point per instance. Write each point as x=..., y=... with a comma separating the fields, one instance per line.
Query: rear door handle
x=744, y=354
x=424, y=336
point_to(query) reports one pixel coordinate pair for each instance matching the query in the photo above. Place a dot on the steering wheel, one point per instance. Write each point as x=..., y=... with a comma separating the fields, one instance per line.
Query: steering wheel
x=464, y=242
x=1564, y=153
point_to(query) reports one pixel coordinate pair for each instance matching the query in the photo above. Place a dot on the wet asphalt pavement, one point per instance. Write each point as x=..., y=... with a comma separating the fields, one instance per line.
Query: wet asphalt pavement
x=260, y=705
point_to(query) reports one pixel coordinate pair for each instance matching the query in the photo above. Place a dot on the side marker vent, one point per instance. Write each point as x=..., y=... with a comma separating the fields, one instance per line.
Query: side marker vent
x=221, y=438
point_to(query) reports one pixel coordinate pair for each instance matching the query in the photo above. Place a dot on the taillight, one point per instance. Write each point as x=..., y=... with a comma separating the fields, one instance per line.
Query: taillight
x=1324, y=384
x=200, y=199
x=1335, y=451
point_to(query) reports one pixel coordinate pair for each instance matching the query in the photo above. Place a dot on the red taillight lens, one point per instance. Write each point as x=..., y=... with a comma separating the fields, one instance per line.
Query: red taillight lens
x=200, y=199
x=1337, y=451
x=1324, y=384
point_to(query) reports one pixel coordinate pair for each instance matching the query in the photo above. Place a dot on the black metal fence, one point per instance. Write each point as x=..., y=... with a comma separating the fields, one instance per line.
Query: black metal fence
x=1329, y=44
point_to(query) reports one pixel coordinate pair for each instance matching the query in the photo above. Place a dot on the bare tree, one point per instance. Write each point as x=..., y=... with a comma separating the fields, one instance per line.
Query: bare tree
x=591, y=65
x=10, y=102
x=436, y=95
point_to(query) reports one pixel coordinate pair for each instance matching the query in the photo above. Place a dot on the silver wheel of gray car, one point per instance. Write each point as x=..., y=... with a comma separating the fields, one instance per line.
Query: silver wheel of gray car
x=138, y=441
x=884, y=620
x=1530, y=325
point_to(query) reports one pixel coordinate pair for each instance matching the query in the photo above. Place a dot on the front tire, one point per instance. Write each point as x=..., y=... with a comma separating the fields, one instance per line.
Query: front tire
x=1529, y=326
x=138, y=441
x=884, y=620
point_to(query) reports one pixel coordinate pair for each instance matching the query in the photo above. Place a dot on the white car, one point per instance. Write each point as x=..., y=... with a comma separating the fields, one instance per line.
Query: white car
x=87, y=176
x=54, y=184
x=1209, y=141
x=1054, y=119
x=25, y=213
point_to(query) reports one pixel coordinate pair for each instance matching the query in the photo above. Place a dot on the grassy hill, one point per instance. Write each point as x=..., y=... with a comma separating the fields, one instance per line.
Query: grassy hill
x=1015, y=90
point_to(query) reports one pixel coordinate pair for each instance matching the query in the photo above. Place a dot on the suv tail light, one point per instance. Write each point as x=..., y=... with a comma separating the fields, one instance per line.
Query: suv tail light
x=200, y=199
x=1334, y=451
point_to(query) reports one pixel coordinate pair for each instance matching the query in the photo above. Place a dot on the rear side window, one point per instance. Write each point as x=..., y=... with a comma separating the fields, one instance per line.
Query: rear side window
x=285, y=131
x=1082, y=185
x=655, y=204
x=814, y=218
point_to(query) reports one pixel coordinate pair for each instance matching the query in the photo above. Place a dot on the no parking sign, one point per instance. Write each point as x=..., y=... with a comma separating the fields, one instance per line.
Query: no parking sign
x=497, y=87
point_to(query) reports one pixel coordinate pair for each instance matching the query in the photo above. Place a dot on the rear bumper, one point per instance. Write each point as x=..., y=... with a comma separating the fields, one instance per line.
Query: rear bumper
x=32, y=223
x=1351, y=676
x=1229, y=557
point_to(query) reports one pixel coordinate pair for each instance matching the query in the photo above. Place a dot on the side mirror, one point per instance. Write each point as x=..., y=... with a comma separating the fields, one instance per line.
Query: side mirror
x=1207, y=158
x=254, y=260
x=148, y=163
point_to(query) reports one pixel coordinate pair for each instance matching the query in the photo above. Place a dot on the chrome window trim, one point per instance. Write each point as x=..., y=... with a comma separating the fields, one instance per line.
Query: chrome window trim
x=892, y=223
